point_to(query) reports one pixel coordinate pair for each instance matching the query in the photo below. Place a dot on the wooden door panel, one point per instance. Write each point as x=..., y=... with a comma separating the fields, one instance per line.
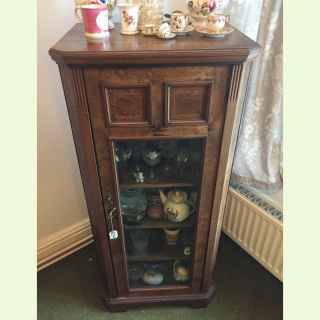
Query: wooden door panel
x=127, y=104
x=187, y=102
x=124, y=94
x=191, y=95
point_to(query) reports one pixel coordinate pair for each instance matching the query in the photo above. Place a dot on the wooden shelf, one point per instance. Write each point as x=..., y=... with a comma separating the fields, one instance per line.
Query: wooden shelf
x=166, y=254
x=155, y=185
x=160, y=224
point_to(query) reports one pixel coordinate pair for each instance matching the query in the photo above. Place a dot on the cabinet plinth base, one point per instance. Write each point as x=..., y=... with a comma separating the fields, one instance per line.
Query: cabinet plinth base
x=200, y=300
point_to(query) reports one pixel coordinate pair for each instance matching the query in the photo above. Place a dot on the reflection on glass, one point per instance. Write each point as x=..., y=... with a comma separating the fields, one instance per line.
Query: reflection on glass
x=159, y=183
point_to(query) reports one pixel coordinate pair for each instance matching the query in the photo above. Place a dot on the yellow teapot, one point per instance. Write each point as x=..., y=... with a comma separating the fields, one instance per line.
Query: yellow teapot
x=176, y=206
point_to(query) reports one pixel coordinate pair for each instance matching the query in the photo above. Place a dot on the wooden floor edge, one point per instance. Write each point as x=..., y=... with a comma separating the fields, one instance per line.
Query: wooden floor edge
x=64, y=243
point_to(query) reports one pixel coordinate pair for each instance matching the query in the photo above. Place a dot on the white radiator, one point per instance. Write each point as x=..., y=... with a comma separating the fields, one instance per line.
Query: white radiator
x=255, y=230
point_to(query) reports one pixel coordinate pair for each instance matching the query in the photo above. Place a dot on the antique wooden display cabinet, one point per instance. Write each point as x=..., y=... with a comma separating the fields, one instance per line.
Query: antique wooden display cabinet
x=155, y=124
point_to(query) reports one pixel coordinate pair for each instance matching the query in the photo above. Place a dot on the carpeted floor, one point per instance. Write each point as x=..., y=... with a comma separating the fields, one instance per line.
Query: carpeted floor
x=69, y=290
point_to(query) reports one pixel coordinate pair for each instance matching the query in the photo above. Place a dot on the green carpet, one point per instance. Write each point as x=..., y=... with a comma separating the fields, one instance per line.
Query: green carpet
x=245, y=291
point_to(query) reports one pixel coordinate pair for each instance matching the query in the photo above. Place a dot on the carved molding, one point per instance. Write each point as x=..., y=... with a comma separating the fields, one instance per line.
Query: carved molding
x=236, y=100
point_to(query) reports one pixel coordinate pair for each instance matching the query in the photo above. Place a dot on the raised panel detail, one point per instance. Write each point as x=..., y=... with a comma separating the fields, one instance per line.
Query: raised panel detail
x=188, y=102
x=127, y=104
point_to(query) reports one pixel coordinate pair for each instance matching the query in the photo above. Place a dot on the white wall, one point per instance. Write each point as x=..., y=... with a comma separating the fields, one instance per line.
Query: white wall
x=60, y=194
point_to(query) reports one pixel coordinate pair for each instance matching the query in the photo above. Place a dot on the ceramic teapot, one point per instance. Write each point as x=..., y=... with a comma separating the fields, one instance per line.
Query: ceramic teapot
x=176, y=206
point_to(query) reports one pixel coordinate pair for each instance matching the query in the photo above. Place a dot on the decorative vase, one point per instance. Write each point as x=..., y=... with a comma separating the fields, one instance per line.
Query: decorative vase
x=133, y=206
x=154, y=210
x=140, y=241
x=172, y=236
x=129, y=18
x=152, y=157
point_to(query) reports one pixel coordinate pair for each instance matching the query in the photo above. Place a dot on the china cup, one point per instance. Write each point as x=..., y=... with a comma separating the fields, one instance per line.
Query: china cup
x=179, y=22
x=217, y=22
x=129, y=18
x=95, y=20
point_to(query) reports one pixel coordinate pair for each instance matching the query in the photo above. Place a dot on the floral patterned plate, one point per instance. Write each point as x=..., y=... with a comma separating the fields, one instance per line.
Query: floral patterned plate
x=217, y=35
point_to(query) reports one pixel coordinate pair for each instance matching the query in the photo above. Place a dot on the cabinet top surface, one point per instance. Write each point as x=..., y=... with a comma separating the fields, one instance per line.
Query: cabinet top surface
x=73, y=48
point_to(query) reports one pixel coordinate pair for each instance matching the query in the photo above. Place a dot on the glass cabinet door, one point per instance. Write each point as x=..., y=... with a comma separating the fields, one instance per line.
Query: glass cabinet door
x=159, y=183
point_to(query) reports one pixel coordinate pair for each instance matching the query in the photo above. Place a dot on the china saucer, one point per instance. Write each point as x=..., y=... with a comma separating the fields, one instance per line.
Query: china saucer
x=217, y=35
x=167, y=36
x=184, y=33
x=148, y=34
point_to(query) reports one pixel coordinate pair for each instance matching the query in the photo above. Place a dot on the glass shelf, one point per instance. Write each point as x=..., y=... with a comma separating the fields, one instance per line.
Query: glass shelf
x=164, y=255
x=160, y=224
x=155, y=185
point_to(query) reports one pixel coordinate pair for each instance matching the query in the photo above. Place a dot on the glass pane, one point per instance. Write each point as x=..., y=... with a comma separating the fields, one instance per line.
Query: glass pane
x=159, y=182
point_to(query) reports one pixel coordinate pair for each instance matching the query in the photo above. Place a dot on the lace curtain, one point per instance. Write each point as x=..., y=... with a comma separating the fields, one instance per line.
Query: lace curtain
x=258, y=158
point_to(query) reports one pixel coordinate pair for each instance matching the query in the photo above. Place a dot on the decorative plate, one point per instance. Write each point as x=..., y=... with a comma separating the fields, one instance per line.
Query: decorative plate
x=217, y=35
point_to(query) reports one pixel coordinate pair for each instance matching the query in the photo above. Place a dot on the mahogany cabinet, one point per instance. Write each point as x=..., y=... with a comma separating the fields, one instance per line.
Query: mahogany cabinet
x=150, y=115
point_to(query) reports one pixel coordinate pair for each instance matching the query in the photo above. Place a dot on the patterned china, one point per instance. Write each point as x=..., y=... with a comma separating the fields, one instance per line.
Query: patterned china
x=180, y=23
x=176, y=206
x=217, y=35
x=217, y=22
x=129, y=18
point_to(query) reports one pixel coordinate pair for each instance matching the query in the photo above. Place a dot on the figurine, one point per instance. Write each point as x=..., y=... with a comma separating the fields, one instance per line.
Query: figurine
x=165, y=31
x=138, y=175
x=180, y=271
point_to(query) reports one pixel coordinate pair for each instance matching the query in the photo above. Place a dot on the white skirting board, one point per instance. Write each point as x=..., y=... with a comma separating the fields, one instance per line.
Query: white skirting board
x=256, y=231
x=64, y=243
